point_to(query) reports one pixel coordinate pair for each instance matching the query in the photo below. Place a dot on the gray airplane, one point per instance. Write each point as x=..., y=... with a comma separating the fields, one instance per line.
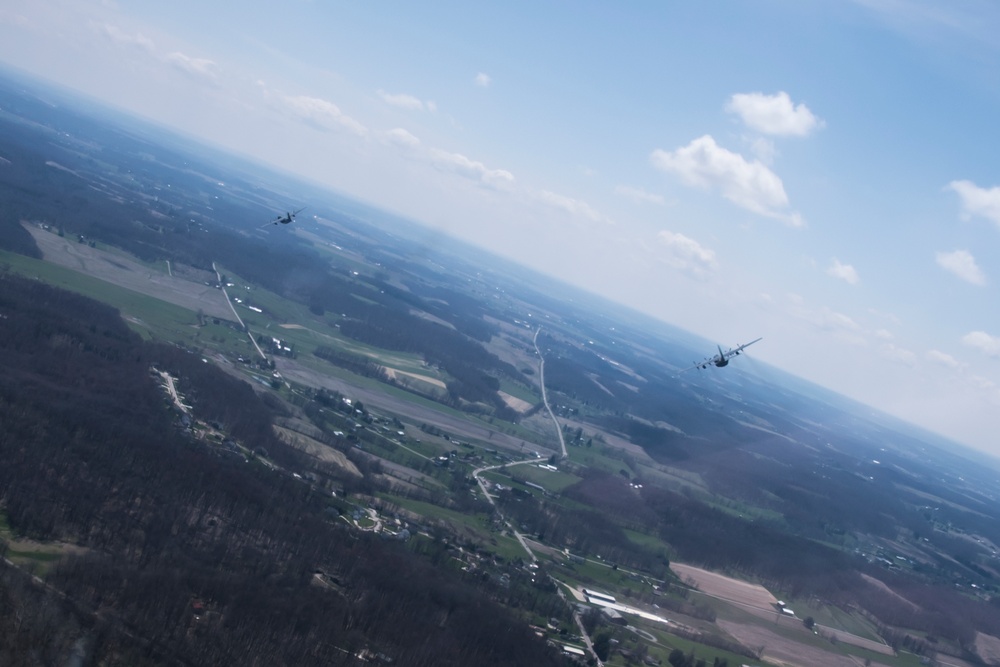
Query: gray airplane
x=283, y=219
x=722, y=358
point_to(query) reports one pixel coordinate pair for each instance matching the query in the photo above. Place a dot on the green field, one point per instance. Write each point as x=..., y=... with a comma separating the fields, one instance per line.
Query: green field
x=551, y=481
x=303, y=331
x=149, y=316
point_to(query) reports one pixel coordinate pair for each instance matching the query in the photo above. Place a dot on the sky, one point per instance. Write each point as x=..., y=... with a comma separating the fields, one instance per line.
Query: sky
x=823, y=174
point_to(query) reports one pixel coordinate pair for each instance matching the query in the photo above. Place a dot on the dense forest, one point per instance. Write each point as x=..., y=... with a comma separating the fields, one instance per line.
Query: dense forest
x=185, y=555
x=182, y=551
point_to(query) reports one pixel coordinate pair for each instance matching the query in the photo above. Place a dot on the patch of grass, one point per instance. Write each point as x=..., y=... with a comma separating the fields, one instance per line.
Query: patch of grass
x=473, y=527
x=33, y=554
x=553, y=481
x=643, y=540
x=834, y=617
x=666, y=643
x=145, y=314
x=518, y=390
x=431, y=511
x=599, y=456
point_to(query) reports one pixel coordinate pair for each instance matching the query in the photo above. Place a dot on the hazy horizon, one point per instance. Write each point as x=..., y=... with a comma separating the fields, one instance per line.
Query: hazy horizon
x=821, y=176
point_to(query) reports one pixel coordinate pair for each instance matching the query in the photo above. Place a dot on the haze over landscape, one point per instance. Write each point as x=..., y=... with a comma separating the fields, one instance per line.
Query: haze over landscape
x=446, y=413
x=822, y=174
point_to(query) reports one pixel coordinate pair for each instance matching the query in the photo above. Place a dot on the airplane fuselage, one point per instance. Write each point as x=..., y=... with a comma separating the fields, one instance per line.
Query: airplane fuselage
x=722, y=358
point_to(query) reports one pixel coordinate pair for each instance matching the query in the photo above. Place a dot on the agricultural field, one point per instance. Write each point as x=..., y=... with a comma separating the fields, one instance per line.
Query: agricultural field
x=389, y=391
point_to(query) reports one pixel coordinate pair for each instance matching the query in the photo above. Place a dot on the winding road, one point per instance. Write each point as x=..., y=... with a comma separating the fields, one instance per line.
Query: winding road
x=520, y=538
x=545, y=398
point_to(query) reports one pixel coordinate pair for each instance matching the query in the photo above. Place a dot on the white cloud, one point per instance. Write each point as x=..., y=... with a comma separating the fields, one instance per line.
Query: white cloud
x=898, y=354
x=988, y=386
x=116, y=35
x=963, y=265
x=638, y=195
x=944, y=359
x=888, y=317
x=977, y=201
x=401, y=137
x=197, y=66
x=459, y=164
x=983, y=342
x=573, y=206
x=686, y=254
x=323, y=114
x=404, y=101
x=750, y=185
x=831, y=320
x=200, y=67
x=884, y=334
x=828, y=321
x=844, y=272
x=10, y=18
x=483, y=80
x=774, y=114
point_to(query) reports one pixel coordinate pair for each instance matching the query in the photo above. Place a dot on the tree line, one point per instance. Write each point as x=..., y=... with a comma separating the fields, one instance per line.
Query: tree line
x=192, y=556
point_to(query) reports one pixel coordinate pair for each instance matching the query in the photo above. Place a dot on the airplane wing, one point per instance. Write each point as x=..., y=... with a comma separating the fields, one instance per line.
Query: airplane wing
x=739, y=349
x=270, y=222
x=734, y=351
x=701, y=364
x=721, y=356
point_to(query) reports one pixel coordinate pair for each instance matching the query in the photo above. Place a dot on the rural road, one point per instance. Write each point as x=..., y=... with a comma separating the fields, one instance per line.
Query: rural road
x=545, y=398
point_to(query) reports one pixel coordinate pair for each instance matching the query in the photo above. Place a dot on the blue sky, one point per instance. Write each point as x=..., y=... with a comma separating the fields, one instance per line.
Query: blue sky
x=823, y=174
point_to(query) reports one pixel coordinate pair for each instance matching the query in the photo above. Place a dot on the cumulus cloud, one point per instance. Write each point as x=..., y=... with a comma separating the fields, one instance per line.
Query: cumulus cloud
x=573, y=206
x=831, y=320
x=898, y=354
x=686, y=254
x=986, y=385
x=774, y=114
x=198, y=66
x=401, y=137
x=977, y=201
x=943, y=359
x=638, y=195
x=983, y=342
x=963, y=265
x=120, y=37
x=459, y=164
x=323, y=114
x=826, y=320
x=750, y=185
x=483, y=80
x=405, y=101
x=844, y=272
